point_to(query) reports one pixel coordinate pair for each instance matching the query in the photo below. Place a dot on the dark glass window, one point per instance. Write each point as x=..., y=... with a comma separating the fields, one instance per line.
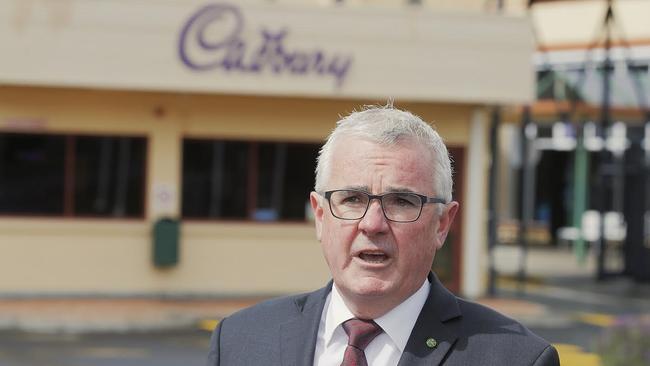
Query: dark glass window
x=272, y=161
x=215, y=176
x=72, y=175
x=109, y=176
x=263, y=181
x=299, y=179
x=31, y=173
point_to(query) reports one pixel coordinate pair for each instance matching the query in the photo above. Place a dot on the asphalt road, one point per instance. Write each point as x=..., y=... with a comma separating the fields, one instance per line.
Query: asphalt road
x=575, y=319
x=184, y=348
x=133, y=349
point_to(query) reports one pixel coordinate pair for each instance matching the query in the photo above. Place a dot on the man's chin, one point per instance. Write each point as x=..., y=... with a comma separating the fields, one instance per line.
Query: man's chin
x=371, y=287
x=369, y=298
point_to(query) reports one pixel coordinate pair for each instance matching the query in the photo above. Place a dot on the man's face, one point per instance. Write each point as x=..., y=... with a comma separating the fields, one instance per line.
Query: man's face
x=373, y=260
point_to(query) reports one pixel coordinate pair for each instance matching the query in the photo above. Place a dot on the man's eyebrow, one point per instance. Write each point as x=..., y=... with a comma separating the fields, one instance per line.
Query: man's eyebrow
x=389, y=190
x=358, y=188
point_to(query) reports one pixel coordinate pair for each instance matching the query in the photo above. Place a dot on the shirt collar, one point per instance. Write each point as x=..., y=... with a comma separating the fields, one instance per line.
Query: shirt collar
x=397, y=323
x=337, y=313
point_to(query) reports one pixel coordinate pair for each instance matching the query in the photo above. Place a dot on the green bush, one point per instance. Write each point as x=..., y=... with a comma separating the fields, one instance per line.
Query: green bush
x=626, y=343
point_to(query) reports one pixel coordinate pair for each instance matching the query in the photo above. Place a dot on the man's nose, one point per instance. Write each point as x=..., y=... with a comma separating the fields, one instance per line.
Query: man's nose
x=374, y=222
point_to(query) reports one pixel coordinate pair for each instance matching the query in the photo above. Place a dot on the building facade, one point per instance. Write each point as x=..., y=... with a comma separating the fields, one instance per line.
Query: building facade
x=115, y=115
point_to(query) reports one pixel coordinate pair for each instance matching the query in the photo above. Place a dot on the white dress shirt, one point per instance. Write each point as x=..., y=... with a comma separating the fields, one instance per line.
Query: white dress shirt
x=386, y=349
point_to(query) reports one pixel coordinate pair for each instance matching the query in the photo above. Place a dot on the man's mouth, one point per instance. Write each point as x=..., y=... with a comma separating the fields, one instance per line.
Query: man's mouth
x=373, y=257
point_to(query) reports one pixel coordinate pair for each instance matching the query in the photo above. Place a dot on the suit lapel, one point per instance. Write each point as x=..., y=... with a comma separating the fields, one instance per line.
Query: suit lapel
x=298, y=336
x=438, y=321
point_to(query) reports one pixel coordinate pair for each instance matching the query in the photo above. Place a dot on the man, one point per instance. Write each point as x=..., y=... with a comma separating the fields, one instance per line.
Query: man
x=382, y=207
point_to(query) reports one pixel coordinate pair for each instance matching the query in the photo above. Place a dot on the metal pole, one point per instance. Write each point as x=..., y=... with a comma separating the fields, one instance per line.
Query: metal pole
x=493, y=219
x=604, y=124
x=526, y=198
x=646, y=148
x=580, y=192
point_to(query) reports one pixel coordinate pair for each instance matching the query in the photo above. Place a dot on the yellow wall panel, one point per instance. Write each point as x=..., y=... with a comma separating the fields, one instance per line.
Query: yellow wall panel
x=107, y=256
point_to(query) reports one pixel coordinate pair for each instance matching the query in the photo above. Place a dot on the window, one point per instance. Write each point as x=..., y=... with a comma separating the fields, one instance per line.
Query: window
x=109, y=176
x=31, y=174
x=215, y=176
x=262, y=181
x=67, y=175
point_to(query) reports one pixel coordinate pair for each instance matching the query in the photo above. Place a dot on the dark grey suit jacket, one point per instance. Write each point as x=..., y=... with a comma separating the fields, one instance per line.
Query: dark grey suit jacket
x=283, y=332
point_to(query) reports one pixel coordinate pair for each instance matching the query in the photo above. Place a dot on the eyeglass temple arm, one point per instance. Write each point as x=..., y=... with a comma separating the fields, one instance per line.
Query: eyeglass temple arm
x=436, y=200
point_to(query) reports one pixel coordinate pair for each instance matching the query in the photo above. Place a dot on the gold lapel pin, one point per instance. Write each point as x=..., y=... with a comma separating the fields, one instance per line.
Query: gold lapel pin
x=432, y=343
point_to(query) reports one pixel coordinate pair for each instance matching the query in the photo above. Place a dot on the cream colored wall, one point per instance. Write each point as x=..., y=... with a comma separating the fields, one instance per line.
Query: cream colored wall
x=57, y=256
x=403, y=51
x=470, y=6
x=301, y=119
x=577, y=23
x=93, y=256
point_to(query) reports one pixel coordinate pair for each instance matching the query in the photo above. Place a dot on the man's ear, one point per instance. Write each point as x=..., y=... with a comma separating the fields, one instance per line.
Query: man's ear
x=445, y=220
x=317, y=208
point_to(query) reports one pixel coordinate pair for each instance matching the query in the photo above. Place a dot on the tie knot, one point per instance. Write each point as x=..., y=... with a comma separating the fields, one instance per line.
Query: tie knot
x=361, y=332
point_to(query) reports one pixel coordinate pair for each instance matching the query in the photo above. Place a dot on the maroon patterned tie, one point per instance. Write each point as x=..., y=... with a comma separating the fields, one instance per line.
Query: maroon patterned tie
x=360, y=333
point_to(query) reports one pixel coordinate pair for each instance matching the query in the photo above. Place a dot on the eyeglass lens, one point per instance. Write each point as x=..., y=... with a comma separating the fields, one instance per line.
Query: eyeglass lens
x=352, y=205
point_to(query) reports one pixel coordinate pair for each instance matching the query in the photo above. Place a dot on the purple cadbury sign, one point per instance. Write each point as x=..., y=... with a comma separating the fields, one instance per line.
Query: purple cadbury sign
x=231, y=53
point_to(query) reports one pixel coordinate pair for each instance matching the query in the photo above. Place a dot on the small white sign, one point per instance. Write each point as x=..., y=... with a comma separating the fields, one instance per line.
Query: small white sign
x=164, y=200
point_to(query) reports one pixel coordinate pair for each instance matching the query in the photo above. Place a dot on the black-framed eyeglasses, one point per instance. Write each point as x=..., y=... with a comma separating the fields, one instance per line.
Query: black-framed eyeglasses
x=351, y=204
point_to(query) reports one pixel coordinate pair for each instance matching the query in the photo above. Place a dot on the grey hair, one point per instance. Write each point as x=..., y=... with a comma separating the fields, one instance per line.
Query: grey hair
x=388, y=126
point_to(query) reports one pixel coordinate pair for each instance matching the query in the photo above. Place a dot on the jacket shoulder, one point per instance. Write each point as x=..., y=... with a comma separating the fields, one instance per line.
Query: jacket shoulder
x=274, y=310
x=252, y=336
x=509, y=341
x=277, y=311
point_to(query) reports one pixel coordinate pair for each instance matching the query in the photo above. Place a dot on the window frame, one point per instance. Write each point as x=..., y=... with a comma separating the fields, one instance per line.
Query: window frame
x=251, y=182
x=69, y=175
